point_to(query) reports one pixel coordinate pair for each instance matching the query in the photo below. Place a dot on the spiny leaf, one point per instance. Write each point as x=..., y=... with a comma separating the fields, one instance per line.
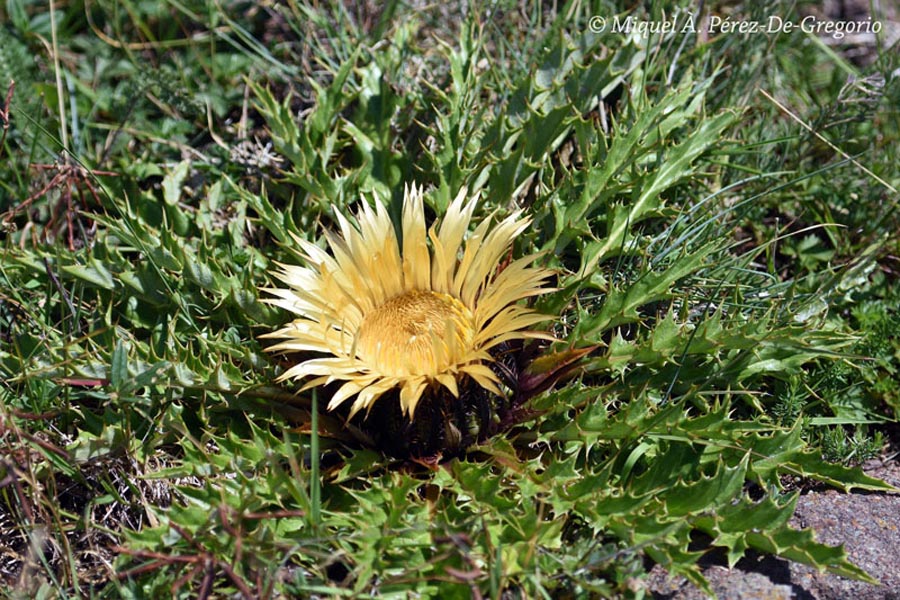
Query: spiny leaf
x=94, y=273
x=546, y=371
x=621, y=304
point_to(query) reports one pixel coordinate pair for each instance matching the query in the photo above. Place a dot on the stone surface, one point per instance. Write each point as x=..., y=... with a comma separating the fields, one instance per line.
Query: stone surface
x=867, y=524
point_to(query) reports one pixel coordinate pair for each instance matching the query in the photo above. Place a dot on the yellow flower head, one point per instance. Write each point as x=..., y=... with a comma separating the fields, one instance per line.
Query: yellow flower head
x=408, y=316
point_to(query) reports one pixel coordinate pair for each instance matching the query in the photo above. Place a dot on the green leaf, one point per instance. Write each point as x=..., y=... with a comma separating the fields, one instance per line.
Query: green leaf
x=88, y=446
x=118, y=372
x=621, y=304
x=717, y=489
x=172, y=182
x=94, y=273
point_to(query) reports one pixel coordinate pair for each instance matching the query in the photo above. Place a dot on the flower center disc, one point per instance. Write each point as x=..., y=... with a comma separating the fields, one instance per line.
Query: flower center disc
x=416, y=333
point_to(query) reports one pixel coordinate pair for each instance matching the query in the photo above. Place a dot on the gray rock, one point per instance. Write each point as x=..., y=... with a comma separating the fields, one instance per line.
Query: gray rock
x=867, y=524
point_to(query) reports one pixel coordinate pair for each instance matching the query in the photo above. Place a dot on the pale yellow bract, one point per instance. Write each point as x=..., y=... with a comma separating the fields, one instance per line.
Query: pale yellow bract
x=411, y=318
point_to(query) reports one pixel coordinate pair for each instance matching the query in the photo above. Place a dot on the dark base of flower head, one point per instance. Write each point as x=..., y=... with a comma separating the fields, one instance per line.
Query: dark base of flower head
x=443, y=425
